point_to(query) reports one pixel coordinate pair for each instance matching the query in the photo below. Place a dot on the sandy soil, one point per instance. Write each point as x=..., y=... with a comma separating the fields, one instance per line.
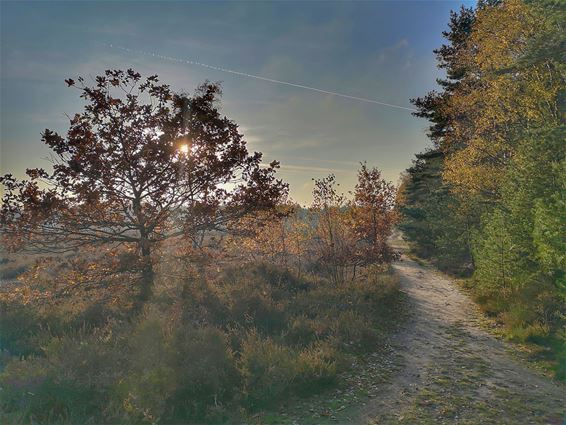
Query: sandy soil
x=452, y=370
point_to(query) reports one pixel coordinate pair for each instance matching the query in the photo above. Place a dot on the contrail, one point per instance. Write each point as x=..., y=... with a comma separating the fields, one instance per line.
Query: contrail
x=258, y=77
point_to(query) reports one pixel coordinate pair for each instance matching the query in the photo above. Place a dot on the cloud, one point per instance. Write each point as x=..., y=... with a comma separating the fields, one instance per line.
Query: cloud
x=327, y=161
x=310, y=169
x=392, y=52
x=356, y=49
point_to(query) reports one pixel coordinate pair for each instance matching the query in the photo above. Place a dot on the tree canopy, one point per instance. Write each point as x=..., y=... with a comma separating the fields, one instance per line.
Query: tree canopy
x=140, y=164
x=491, y=189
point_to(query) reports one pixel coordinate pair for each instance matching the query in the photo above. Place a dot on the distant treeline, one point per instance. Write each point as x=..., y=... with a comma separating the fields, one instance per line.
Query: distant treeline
x=488, y=200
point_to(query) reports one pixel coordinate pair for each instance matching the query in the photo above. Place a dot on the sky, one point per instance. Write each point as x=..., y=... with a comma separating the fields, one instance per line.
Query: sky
x=378, y=50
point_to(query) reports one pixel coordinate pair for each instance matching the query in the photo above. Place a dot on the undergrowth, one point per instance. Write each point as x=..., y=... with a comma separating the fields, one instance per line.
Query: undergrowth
x=215, y=351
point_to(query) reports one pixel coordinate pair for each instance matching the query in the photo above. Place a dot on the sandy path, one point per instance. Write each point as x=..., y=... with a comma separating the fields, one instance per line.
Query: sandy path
x=455, y=372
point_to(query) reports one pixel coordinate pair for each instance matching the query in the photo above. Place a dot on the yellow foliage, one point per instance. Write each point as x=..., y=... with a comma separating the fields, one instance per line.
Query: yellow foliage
x=499, y=99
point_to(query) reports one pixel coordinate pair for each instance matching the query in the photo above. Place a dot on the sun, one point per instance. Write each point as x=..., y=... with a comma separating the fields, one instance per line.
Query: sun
x=184, y=149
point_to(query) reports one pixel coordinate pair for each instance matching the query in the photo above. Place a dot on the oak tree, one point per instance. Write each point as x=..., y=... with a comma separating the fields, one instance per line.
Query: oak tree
x=139, y=165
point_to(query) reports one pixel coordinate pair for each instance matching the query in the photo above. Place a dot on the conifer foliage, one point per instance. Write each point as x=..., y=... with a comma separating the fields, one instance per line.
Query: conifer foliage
x=489, y=198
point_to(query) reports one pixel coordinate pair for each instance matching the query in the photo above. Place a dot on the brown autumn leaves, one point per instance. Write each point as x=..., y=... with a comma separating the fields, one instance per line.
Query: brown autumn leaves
x=121, y=186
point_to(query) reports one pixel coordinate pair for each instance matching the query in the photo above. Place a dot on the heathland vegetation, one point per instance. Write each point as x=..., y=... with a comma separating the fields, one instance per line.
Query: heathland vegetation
x=174, y=281
x=160, y=272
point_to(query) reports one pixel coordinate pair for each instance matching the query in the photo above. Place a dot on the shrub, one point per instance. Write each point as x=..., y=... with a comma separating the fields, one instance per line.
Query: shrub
x=84, y=357
x=531, y=313
x=23, y=386
x=317, y=367
x=175, y=377
x=252, y=302
x=70, y=383
x=94, y=315
x=253, y=309
x=204, y=303
x=25, y=329
x=355, y=331
x=267, y=274
x=560, y=349
x=148, y=381
x=19, y=324
x=205, y=370
x=9, y=273
x=227, y=344
x=302, y=331
x=268, y=369
x=145, y=396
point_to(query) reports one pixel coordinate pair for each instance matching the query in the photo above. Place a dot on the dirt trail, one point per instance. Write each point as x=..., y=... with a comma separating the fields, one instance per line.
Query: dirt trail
x=452, y=370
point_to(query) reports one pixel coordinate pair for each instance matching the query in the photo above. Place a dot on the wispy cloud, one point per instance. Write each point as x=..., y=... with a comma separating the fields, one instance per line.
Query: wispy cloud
x=389, y=52
x=362, y=49
x=176, y=59
x=311, y=169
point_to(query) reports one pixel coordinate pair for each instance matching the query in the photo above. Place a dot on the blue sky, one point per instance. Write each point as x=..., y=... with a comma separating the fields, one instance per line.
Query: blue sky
x=377, y=50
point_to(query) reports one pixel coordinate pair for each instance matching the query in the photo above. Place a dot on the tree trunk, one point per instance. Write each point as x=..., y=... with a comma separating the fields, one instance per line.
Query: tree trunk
x=147, y=276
